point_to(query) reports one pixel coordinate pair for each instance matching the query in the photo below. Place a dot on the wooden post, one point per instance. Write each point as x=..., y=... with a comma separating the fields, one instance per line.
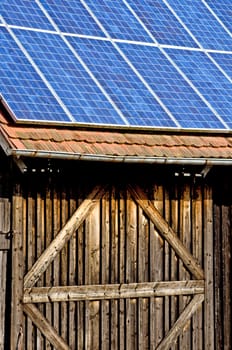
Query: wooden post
x=208, y=263
x=4, y=247
x=3, y=276
x=17, y=271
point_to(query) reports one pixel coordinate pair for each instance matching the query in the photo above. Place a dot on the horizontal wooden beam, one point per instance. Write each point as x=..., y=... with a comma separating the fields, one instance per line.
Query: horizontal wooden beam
x=45, y=327
x=112, y=291
x=63, y=236
x=166, y=232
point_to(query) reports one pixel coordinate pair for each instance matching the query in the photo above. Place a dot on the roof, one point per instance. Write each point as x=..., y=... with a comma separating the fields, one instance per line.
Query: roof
x=63, y=142
x=117, y=82
x=158, y=64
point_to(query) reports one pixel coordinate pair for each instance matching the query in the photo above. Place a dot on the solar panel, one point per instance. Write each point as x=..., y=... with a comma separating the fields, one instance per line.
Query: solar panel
x=24, y=13
x=223, y=9
x=159, y=63
x=118, y=20
x=211, y=83
x=202, y=24
x=67, y=76
x=23, y=89
x=121, y=83
x=175, y=92
x=161, y=22
x=225, y=62
x=72, y=17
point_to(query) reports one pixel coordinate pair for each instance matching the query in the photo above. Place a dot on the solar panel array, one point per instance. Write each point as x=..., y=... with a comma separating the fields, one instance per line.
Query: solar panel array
x=143, y=63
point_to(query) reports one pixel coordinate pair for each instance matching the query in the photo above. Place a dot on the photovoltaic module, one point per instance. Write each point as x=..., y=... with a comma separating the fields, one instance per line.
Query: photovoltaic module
x=135, y=63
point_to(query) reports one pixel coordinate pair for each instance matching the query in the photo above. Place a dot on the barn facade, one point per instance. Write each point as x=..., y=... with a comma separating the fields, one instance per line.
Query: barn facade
x=114, y=238
x=115, y=175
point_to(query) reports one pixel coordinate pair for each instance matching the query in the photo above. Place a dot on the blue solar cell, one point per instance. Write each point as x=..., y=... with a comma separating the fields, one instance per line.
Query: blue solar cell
x=202, y=24
x=72, y=17
x=22, y=88
x=223, y=9
x=225, y=62
x=211, y=83
x=24, y=13
x=185, y=105
x=121, y=83
x=29, y=97
x=161, y=23
x=68, y=78
x=118, y=20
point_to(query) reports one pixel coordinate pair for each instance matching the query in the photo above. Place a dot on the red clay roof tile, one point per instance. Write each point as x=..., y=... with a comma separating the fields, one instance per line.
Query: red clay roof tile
x=122, y=143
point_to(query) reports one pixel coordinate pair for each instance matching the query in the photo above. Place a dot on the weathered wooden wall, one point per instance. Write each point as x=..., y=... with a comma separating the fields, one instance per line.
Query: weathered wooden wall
x=118, y=244
x=5, y=257
x=223, y=261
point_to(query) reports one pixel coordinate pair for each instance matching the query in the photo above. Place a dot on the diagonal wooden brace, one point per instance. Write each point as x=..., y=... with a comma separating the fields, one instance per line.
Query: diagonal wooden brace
x=178, y=326
x=45, y=327
x=63, y=236
x=166, y=231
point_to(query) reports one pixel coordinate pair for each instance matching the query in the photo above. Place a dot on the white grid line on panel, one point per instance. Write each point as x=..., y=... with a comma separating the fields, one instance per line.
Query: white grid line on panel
x=144, y=43
x=39, y=30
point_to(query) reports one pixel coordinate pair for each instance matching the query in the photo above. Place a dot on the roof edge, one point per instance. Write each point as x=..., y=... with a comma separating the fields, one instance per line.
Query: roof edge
x=118, y=159
x=108, y=127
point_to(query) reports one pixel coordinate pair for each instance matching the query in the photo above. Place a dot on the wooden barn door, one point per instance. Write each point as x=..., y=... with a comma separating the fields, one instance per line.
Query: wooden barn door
x=121, y=271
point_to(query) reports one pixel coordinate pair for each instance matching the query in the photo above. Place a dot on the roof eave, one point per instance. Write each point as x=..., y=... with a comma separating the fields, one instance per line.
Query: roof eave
x=118, y=159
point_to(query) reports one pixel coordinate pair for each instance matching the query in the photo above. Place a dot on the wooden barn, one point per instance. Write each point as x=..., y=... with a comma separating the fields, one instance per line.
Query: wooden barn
x=115, y=234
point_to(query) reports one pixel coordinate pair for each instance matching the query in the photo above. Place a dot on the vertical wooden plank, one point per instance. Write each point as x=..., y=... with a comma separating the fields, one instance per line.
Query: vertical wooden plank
x=157, y=272
x=143, y=276
x=5, y=224
x=114, y=268
x=197, y=249
x=30, y=239
x=80, y=310
x=167, y=251
x=72, y=263
x=208, y=265
x=64, y=264
x=3, y=279
x=122, y=266
x=226, y=276
x=93, y=247
x=25, y=262
x=143, y=323
x=5, y=215
x=131, y=273
x=218, y=277
x=56, y=277
x=17, y=269
x=48, y=239
x=173, y=257
x=40, y=239
x=185, y=236
x=105, y=271
x=82, y=278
